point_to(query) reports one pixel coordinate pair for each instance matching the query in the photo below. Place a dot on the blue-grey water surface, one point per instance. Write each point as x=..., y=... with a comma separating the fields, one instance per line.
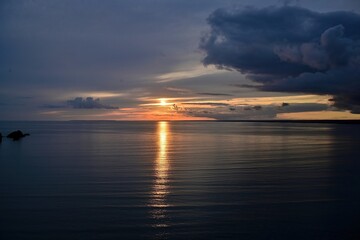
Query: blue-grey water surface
x=180, y=180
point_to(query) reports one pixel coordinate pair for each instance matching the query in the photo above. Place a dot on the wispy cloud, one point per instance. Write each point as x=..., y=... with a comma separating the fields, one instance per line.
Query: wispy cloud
x=214, y=94
x=94, y=94
x=186, y=74
x=206, y=103
x=178, y=90
x=51, y=112
x=319, y=99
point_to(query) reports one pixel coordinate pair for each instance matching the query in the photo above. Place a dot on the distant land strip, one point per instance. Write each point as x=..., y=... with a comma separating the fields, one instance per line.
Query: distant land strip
x=343, y=121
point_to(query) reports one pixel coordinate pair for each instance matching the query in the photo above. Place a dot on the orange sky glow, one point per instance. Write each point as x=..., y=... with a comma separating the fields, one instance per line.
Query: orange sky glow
x=175, y=109
x=182, y=109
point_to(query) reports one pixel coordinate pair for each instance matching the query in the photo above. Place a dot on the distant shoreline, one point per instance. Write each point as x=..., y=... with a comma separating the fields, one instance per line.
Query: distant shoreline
x=297, y=121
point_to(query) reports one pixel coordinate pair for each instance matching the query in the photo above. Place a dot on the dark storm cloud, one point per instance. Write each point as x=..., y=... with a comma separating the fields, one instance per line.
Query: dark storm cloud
x=88, y=103
x=290, y=49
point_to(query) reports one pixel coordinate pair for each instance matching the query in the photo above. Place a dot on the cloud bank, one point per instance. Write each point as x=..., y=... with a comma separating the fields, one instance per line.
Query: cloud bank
x=289, y=49
x=88, y=103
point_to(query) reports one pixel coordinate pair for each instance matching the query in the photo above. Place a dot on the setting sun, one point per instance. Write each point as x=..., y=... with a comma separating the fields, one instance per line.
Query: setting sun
x=163, y=102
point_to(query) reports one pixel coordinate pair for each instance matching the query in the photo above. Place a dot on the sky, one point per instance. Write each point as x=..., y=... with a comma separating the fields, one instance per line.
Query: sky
x=179, y=59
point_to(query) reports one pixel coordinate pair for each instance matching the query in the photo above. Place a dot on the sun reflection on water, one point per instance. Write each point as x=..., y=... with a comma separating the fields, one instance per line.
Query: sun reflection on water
x=160, y=187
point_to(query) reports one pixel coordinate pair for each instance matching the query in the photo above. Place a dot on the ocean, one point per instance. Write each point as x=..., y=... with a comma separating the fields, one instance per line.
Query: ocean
x=180, y=180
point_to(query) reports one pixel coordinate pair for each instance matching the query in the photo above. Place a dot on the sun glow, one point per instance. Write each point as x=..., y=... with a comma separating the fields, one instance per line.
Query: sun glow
x=163, y=102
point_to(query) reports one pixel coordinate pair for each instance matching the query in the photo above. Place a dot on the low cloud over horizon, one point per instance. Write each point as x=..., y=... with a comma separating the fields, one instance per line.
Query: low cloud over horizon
x=88, y=103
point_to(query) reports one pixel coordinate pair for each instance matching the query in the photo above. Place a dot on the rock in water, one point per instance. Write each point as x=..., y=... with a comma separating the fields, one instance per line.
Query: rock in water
x=0, y=137
x=17, y=135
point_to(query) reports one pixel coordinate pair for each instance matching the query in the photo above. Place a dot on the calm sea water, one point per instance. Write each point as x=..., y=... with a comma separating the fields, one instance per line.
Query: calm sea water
x=180, y=180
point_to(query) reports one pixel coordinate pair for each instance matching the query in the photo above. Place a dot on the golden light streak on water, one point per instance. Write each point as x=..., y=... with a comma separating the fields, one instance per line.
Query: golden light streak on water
x=162, y=166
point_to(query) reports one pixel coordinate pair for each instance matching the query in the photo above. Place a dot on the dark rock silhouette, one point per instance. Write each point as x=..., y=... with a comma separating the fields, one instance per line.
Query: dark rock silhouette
x=0, y=137
x=16, y=135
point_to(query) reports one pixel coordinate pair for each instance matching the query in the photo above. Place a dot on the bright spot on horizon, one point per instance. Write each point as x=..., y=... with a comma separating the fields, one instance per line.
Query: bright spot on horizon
x=163, y=102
